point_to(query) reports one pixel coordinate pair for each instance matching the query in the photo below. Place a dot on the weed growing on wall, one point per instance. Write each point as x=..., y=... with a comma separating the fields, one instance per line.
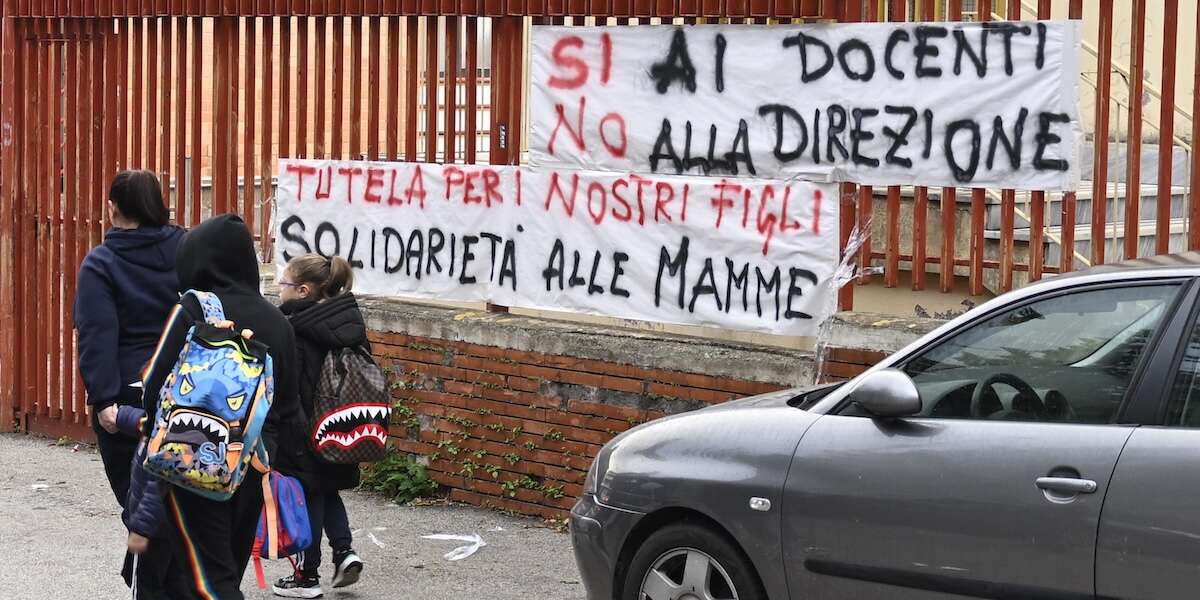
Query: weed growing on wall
x=398, y=477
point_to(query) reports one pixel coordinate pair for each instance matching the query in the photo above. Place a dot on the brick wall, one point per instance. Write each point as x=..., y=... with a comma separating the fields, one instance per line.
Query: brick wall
x=488, y=416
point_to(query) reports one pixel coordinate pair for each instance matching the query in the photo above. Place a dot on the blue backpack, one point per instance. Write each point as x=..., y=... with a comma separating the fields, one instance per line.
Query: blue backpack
x=283, y=528
x=212, y=408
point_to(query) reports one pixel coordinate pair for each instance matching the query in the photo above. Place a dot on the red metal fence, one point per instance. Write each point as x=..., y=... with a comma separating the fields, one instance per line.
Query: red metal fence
x=210, y=93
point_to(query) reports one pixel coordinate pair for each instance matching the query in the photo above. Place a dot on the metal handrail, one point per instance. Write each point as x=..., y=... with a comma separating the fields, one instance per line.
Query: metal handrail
x=1150, y=89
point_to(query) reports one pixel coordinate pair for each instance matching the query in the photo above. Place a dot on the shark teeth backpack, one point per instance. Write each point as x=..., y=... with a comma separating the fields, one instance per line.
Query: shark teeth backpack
x=211, y=408
x=352, y=409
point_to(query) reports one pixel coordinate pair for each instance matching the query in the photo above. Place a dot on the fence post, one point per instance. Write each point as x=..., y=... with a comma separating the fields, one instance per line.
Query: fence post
x=7, y=202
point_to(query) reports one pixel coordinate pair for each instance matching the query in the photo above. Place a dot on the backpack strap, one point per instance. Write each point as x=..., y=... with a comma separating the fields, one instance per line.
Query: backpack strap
x=214, y=312
x=270, y=509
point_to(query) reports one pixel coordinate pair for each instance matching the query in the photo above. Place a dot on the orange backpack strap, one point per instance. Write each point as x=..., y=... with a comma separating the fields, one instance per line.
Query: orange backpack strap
x=270, y=509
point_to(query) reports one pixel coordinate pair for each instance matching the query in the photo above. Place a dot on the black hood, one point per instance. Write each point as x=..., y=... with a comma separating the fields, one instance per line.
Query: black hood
x=334, y=323
x=152, y=248
x=218, y=255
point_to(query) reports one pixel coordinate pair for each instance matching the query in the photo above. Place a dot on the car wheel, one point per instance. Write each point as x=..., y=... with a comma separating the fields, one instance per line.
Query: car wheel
x=690, y=562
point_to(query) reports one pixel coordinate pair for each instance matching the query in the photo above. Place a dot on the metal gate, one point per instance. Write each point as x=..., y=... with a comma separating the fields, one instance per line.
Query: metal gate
x=210, y=93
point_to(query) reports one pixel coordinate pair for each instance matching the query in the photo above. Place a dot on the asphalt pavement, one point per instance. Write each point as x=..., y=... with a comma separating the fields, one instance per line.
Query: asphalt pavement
x=61, y=538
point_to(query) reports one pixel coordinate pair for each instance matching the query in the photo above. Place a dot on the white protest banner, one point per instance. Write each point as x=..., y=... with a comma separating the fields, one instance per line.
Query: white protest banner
x=938, y=104
x=422, y=230
x=742, y=254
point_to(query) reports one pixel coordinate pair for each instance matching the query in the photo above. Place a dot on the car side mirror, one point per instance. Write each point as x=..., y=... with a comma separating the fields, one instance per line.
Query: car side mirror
x=888, y=393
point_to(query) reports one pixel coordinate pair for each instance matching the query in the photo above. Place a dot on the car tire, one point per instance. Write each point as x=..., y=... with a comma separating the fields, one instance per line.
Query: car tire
x=668, y=565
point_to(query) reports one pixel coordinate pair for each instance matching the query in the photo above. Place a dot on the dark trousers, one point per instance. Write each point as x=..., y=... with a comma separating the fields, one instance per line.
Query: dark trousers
x=155, y=574
x=327, y=512
x=116, y=452
x=211, y=541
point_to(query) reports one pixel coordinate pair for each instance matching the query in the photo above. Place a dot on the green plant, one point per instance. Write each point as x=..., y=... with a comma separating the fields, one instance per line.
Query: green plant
x=480, y=453
x=398, y=477
x=510, y=487
x=511, y=458
x=554, y=492
x=554, y=435
x=483, y=412
x=492, y=470
x=468, y=468
x=530, y=446
x=461, y=422
x=449, y=446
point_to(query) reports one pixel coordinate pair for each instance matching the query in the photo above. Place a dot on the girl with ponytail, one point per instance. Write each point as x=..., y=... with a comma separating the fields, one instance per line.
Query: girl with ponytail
x=317, y=299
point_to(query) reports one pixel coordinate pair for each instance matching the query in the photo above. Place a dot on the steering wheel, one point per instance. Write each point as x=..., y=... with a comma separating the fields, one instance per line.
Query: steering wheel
x=1023, y=390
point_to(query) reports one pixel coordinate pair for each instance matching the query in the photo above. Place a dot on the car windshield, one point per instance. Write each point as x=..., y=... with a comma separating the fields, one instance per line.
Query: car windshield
x=1022, y=336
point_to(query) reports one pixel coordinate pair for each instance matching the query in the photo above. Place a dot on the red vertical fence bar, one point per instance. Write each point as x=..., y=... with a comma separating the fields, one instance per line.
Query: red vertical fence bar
x=978, y=200
x=197, y=99
x=450, y=106
x=1194, y=187
x=302, y=75
x=249, y=196
x=8, y=200
x=164, y=158
x=138, y=117
x=866, y=195
x=83, y=186
x=891, y=276
x=1037, y=201
x=220, y=112
x=356, y=87
x=54, y=223
x=1166, y=126
x=949, y=200
x=374, y=72
x=1075, y=11
x=393, y=89
x=339, y=88
x=151, y=91
x=43, y=168
x=71, y=255
x=850, y=218
x=285, y=87
x=1133, y=173
x=26, y=223
x=498, y=151
x=320, y=90
x=411, y=82
x=233, y=61
x=431, y=89
x=1008, y=199
x=472, y=89
x=1100, y=131
x=181, y=98
x=267, y=152
x=920, y=241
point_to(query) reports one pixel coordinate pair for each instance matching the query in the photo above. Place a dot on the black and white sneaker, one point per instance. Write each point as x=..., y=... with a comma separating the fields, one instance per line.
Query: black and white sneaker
x=347, y=568
x=299, y=585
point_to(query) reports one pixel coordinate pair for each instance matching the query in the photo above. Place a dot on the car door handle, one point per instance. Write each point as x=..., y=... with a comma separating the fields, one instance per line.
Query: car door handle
x=1067, y=485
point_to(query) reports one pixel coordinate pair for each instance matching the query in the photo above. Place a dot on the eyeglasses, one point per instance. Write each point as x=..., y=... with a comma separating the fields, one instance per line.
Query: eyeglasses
x=288, y=284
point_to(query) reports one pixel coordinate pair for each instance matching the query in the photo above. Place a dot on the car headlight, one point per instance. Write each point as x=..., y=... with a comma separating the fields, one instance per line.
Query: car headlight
x=590, y=484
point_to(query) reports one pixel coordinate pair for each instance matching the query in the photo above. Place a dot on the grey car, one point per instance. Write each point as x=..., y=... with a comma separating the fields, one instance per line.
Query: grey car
x=1041, y=446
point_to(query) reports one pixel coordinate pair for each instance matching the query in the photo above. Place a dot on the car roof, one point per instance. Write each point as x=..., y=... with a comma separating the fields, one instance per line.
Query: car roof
x=1185, y=261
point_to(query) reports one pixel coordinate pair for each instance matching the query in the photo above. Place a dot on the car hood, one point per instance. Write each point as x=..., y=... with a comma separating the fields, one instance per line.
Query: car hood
x=745, y=445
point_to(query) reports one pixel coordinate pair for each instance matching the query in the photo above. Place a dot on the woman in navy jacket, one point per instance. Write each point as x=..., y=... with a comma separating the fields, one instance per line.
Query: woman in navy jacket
x=125, y=291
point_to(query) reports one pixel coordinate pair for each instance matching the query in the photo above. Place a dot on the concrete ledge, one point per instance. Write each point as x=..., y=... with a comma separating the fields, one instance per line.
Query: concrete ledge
x=612, y=344
x=649, y=350
x=880, y=333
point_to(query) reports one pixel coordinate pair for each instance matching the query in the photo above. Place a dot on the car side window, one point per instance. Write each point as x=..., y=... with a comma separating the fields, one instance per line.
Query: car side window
x=1183, y=410
x=1068, y=358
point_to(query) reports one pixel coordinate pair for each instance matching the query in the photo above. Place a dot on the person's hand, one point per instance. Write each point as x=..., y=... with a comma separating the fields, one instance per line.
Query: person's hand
x=108, y=418
x=137, y=543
